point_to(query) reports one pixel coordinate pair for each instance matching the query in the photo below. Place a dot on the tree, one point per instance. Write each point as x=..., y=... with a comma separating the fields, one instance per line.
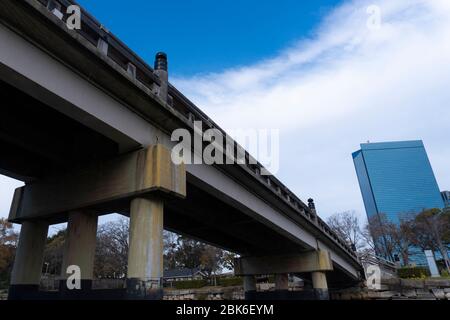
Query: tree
x=228, y=260
x=432, y=232
x=53, y=253
x=188, y=252
x=170, y=246
x=347, y=226
x=401, y=237
x=111, y=253
x=383, y=233
x=184, y=252
x=393, y=239
x=8, y=245
x=368, y=251
x=211, y=259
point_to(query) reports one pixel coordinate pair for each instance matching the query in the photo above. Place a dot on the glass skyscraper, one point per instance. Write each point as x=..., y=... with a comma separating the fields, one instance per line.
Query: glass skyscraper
x=446, y=197
x=396, y=178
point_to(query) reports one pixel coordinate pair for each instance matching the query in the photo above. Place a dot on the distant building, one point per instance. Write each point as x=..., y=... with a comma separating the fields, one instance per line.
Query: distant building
x=446, y=198
x=396, y=178
x=183, y=274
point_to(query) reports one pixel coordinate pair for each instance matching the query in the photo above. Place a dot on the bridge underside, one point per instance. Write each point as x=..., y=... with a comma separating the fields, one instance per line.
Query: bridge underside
x=109, y=152
x=38, y=141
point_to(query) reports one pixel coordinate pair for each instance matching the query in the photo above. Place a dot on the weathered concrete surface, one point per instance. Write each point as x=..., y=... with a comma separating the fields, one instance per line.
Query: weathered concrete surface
x=30, y=254
x=136, y=174
x=304, y=262
x=319, y=280
x=145, y=258
x=80, y=244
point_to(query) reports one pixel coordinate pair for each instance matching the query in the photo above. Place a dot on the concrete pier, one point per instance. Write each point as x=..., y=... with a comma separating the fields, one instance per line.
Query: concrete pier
x=79, y=249
x=26, y=273
x=145, y=257
x=249, y=287
x=319, y=280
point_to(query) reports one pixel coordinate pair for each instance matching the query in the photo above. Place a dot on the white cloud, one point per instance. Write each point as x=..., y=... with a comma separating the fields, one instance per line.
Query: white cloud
x=346, y=85
x=7, y=187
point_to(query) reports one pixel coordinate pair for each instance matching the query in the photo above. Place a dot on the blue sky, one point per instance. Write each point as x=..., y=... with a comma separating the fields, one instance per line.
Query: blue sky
x=202, y=36
x=318, y=71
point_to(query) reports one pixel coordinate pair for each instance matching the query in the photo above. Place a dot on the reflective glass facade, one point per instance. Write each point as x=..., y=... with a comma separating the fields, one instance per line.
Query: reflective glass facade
x=446, y=197
x=396, y=178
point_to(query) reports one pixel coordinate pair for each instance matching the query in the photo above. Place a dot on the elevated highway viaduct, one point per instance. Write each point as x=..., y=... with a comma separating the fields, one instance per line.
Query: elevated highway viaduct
x=86, y=125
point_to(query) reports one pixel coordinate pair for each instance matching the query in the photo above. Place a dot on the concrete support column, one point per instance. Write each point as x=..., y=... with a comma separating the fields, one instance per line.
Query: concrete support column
x=319, y=280
x=79, y=249
x=26, y=273
x=282, y=282
x=249, y=287
x=281, y=287
x=145, y=256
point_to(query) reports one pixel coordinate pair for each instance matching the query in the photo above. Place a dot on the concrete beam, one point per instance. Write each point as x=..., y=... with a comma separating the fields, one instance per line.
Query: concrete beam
x=348, y=266
x=136, y=174
x=304, y=262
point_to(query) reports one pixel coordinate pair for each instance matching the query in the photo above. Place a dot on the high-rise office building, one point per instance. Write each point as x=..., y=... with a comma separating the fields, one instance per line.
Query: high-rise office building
x=446, y=197
x=396, y=178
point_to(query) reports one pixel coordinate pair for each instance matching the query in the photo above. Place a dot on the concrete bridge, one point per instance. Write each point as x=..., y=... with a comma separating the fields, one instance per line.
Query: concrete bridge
x=86, y=124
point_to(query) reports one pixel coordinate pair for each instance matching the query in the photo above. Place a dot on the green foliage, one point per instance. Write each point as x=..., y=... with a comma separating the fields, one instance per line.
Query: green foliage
x=190, y=284
x=111, y=252
x=53, y=253
x=183, y=252
x=413, y=272
x=8, y=243
x=227, y=282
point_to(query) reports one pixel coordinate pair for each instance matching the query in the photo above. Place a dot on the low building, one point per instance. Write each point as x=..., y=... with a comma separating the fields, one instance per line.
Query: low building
x=183, y=274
